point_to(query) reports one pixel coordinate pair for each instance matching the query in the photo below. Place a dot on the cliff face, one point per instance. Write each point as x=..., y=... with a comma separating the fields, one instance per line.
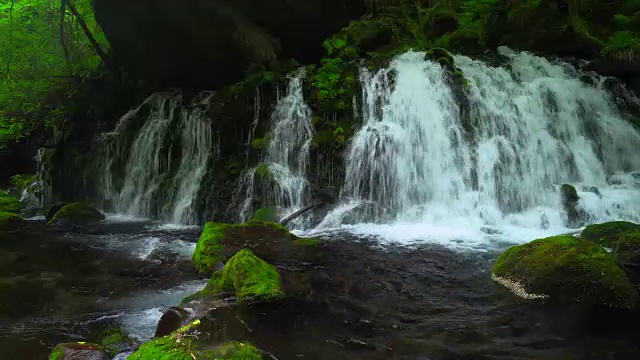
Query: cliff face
x=207, y=43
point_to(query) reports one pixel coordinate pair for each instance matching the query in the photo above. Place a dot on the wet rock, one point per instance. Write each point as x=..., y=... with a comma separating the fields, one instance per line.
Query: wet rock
x=115, y=341
x=592, y=189
x=172, y=319
x=249, y=277
x=182, y=345
x=11, y=222
x=570, y=198
x=53, y=210
x=78, y=351
x=266, y=214
x=268, y=241
x=565, y=269
x=77, y=214
x=623, y=238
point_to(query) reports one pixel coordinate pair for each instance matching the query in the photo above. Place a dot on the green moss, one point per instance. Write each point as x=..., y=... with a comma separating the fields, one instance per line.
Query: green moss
x=9, y=203
x=253, y=222
x=306, y=242
x=608, y=234
x=209, y=251
x=114, y=339
x=11, y=221
x=249, y=276
x=260, y=143
x=266, y=214
x=240, y=351
x=263, y=172
x=77, y=213
x=22, y=181
x=56, y=354
x=180, y=345
x=568, y=269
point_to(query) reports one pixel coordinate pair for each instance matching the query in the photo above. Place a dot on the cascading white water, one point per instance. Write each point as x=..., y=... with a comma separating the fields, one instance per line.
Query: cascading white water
x=531, y=126
x=287, y=154
x=152, y=185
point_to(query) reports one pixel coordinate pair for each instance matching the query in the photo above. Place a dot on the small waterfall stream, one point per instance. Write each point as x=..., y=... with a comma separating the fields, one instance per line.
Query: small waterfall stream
x=285, y=162
x=532, y=125
x=159, y=174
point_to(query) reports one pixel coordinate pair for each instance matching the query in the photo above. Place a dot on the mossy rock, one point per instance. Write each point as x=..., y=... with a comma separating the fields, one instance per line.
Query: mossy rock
x=249, y=277
x=183, y=345
x=266, y=214
x=565, y=269
x=79, y=350
x=11, y=222
x=9, y=203
x=623, y=238
x=77, y=214
x=608, y=234
x=53, y=210
x=268, y=240
x=115, y=340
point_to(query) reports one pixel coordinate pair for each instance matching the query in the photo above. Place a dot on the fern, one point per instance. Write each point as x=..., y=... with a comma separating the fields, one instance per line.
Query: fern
x=622, y=46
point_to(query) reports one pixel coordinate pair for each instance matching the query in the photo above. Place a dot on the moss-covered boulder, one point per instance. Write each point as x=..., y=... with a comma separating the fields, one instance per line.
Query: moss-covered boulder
x=623, y=239
x=11, y=222
x=249, y=277
x=608, y=234
x=183, y=345
x=565, y=269
x=115, y=341
x=266, y=214
x=79, y=350
x=53, y=210
x=269, y=241
x=77, y=214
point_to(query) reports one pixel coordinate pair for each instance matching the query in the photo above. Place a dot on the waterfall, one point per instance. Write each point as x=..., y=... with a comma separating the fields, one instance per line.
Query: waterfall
x=158, y=167
x=420, y=162
x=282, y=172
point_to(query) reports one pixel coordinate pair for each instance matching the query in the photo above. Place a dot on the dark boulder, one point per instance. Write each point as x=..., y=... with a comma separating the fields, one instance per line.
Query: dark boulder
x=172, y=319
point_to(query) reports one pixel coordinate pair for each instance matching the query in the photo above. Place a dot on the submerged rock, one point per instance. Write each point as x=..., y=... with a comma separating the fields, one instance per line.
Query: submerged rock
x=249, y=277
x=565, y=269
x=77, y=214
x=11, y=222
x=78, y=351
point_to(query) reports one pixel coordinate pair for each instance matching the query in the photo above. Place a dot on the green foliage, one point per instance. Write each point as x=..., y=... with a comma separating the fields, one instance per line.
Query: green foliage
x=622, y=22
x=622, y=46
x=249, y=276
x=36, y=78
x=9, y=203
x=22, y=181
x=260, y=143
x=263, y=172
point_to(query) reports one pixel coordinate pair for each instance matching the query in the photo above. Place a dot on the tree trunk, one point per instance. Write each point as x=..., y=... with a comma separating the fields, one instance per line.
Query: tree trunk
x=87, y=32
x=297, y=214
